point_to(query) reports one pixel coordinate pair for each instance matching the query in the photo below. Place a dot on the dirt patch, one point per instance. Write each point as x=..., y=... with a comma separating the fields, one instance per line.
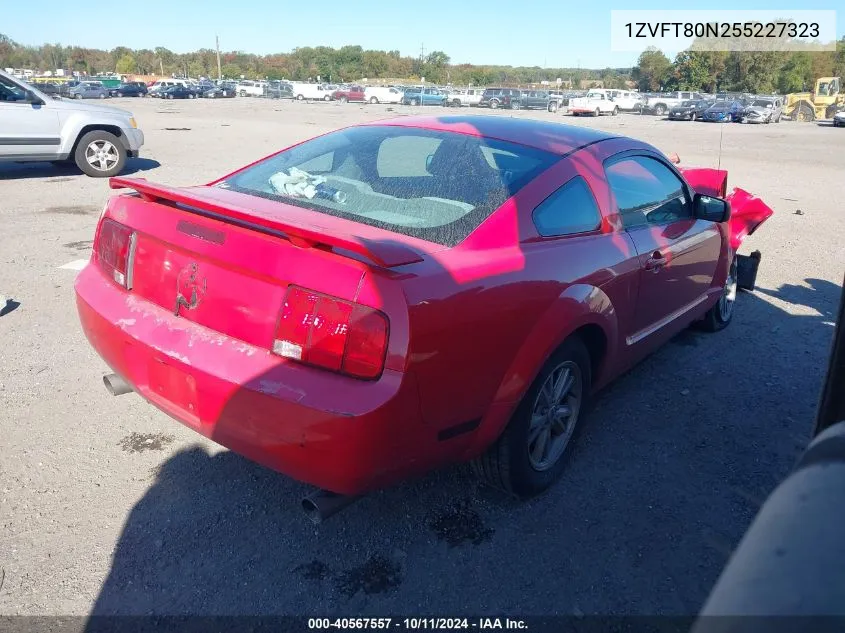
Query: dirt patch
x=73, y=210
x=82, y=245
x=315, y=570
x=459, y=524
x=377, y=575
x=141, y=442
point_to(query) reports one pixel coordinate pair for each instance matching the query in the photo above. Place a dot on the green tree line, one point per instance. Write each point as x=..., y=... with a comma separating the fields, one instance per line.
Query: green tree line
x=760, y=72
x=349, y=63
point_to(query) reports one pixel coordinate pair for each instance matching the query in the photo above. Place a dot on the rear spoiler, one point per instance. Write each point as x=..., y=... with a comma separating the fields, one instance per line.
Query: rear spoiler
x=385, y=254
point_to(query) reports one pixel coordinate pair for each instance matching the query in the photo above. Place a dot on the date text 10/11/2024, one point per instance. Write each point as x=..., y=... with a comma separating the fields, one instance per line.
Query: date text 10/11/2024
x=413, y=624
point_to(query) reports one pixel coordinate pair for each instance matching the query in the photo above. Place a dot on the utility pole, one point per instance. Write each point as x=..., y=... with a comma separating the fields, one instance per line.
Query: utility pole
x=219, y=72
x=422, y=53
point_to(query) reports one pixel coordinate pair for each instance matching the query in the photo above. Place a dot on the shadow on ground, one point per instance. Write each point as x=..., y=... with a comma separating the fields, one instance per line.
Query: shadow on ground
x=18, y=171
x=674, y=461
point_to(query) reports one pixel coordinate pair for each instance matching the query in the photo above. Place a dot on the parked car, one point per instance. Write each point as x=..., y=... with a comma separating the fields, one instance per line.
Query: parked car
x=595, y=103
x=352, y=93
x=223, y=91
x=329, y=297
x=88, y=90
x=248, y=88
x=35, y=127
x=310, y=91
x=723, y=111
x=660, y=104
x=158, y=88
x=534, y=99
x=423, y=96
x=690, y=110
x=48, y=88
x=500, y=98
x=464, y=97
x=279, y=90
x=627, y=100
x=763, y=111
x=128, y=90
x=839, y=119
x=382, y=94
x=179, y=92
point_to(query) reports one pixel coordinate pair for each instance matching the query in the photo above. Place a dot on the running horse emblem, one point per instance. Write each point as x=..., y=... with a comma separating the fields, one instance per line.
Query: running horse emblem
x=190, y=288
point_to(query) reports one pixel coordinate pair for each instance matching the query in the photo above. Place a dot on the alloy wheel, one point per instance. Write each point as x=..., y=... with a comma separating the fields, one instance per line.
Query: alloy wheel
x=554, y=416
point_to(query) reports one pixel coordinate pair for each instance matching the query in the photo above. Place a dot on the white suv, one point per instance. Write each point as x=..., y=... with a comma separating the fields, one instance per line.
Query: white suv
x=35, y=127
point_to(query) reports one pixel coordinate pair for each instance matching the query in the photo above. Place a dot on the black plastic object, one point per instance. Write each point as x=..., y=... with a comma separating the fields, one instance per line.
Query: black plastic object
x=746, y=270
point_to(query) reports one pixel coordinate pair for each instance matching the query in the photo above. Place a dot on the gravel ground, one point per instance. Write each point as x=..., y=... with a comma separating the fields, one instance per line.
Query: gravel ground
x=108, y=506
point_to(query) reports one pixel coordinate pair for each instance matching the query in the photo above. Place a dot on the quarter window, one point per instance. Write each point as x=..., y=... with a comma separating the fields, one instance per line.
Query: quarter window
x=569, y=210
x=647, y=192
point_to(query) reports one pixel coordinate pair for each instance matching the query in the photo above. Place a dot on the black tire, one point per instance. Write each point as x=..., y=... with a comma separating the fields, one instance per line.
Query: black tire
x=715, y=320
x=597, y=112
x=415, y=102
x=169, y=96
x=119, y=94
x=515, y=106
x=494, y=104
x=615, y=110
x=343, y=100
x=300, y=97
x=91, y=137
x=552, y=107
x=804, y=113
x=373, y=100
x=326, y=98
x=506, y=464
x=659, y=109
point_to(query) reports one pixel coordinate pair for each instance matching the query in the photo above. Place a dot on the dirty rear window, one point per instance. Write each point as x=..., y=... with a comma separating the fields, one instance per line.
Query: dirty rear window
x=437, y=186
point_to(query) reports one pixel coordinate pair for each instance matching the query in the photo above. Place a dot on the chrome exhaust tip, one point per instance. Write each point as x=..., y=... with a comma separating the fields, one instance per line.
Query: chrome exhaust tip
x=116, y=385
x=322, y=504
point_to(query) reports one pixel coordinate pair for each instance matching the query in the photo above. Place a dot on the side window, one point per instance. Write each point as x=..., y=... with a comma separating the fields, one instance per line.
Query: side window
x=405, y=156
x=647, y=192
x=569, y=210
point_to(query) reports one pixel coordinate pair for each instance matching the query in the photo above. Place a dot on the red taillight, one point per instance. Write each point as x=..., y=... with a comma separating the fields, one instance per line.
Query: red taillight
x=331, y=333
x=115, y=251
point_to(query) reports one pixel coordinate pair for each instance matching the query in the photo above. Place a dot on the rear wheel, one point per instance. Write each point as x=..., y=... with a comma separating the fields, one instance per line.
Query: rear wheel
x=373, y=100
x=100, y=154
x=326, y=98
x=119, y=94
x=615, y=110
x=494, y=104
x=533, y=449
x=804, y=113
x=514, y=106
x=719, y=316
x=660, y=109
x=552, y=106
x=597, y=112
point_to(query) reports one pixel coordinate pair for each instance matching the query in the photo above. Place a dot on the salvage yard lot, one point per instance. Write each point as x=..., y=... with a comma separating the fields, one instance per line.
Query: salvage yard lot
x=108, y=505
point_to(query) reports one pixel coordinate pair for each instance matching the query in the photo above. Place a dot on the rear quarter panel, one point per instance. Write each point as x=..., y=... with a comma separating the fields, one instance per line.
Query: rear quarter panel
x=484, y=316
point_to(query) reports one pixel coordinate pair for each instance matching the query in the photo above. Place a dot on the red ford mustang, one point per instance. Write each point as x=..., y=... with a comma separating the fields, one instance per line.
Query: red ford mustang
x=391, y=297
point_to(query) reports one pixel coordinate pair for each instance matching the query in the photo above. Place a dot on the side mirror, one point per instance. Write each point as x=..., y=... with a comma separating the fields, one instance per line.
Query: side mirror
x=32, y=98
x=711, y=209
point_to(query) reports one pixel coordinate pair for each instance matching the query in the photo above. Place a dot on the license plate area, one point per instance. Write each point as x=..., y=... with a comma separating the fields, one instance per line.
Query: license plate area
x=174, y=389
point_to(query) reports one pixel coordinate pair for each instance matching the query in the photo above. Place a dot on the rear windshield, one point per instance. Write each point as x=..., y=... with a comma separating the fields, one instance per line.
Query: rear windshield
x=437, y=186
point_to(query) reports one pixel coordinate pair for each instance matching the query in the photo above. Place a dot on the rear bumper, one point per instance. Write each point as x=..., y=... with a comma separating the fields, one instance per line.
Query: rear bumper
x=336, y=433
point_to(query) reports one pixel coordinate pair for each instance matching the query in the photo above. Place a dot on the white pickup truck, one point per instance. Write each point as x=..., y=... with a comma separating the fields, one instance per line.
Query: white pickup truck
x=464, y=97
x=660, y=104
x=595, y=103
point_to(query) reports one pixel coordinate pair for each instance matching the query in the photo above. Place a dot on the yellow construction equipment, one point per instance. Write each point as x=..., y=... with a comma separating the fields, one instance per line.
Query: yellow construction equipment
x=822, y=103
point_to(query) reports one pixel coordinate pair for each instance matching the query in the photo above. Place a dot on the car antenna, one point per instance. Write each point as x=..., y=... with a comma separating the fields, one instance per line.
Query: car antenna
x=721, y=133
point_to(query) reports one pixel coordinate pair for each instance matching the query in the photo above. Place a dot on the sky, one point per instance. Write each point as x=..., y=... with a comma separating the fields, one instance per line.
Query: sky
x=546, y=33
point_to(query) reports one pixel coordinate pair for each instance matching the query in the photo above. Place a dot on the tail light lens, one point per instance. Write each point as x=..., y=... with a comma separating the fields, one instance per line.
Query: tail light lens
x=115, y=251
x=331, y=333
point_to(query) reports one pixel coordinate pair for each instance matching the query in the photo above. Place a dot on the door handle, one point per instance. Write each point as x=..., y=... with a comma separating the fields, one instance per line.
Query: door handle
x=655, y=262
